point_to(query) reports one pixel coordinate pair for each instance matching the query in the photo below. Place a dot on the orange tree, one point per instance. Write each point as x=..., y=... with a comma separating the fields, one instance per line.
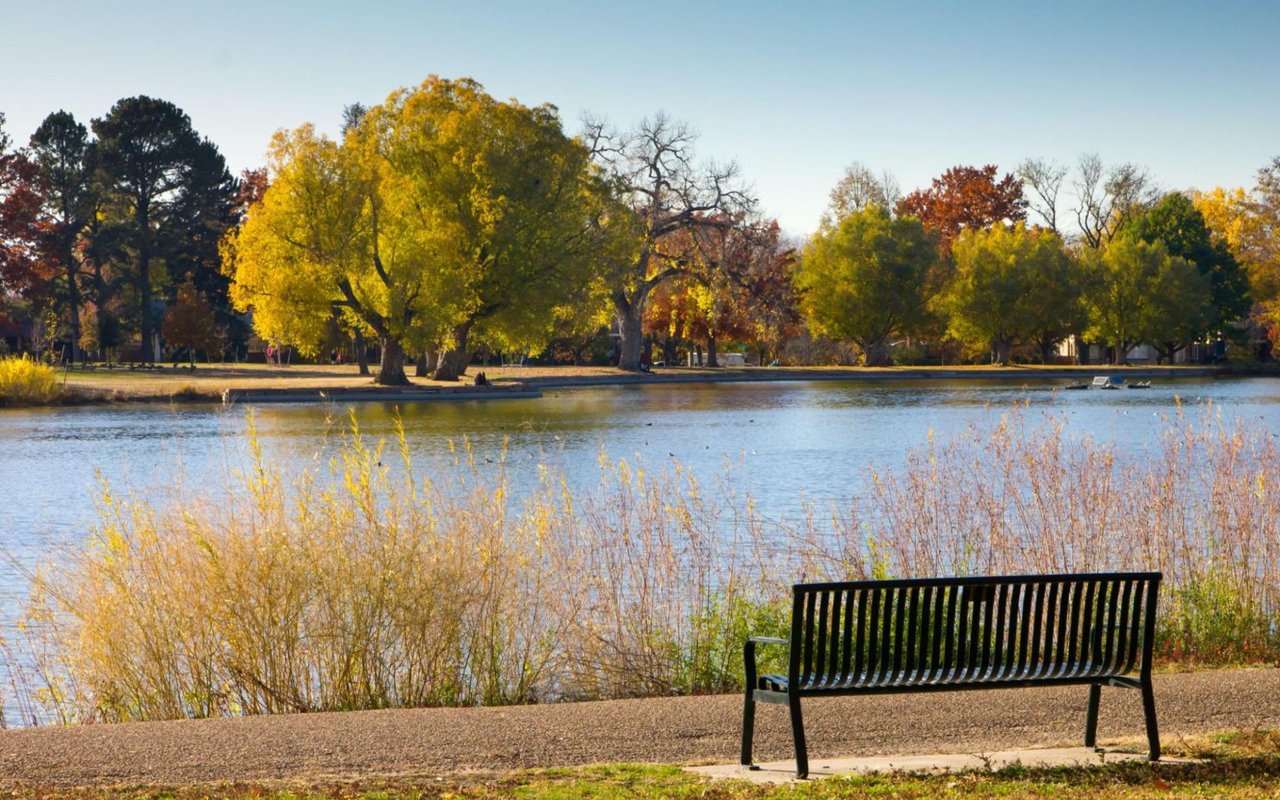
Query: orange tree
x=189, y=322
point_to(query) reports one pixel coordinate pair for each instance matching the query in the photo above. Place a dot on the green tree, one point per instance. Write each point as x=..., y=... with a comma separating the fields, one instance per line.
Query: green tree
x=864, y=280
x=1137, y=293
x=1011, y=285
x=148, y=159
x=201, y=216
x=1177, y=223
x=61, y=149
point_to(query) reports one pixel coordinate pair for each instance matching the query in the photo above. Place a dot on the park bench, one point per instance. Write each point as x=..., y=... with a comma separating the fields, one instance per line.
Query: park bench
x=945, y=634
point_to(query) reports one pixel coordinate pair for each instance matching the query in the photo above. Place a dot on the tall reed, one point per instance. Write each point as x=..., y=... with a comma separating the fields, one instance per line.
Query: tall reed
x=368, y=586
x=1200, y=504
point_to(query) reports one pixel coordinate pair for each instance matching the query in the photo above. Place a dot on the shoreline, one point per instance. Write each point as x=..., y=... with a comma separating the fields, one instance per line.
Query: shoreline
x=221, y=385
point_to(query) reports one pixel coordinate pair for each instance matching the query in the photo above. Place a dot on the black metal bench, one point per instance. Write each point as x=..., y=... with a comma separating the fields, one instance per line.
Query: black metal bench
x=944, y=634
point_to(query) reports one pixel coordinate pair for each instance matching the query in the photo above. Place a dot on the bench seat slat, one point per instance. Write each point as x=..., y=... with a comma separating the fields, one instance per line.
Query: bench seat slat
x=1082, y=672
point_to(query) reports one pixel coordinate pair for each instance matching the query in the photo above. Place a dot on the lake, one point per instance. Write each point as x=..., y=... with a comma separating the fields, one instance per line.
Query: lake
x=784, y=440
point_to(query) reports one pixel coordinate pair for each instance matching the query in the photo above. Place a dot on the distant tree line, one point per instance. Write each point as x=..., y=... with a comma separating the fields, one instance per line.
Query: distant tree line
x=443, y=223
x=102, y=224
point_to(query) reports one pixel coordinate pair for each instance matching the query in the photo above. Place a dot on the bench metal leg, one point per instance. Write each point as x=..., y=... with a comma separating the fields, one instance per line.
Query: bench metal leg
x=1091, y=721
x=748, y=726
x=1149, y=710
x=797, y=733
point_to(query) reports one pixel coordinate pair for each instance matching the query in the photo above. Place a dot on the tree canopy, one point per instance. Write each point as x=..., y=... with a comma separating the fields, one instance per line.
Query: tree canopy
x=864, y=281
x=966, y=198
x=61, y=149
x=161, y=184
x=673, y=209
x=1175, y=222
x=1011, y=285
x=440, y=210
x=1138, y=293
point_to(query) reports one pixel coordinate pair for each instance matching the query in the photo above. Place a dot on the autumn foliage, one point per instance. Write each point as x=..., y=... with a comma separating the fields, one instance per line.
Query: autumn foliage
x=965, y=198
x=189, y=322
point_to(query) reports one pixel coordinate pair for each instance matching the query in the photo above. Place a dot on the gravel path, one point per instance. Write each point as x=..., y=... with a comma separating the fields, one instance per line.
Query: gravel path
x=310, y=747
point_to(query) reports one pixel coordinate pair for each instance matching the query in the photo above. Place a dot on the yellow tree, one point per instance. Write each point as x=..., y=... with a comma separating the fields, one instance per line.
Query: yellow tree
x=501, y=200
x=312, y=246
x=442, y=210
x=1249, y=226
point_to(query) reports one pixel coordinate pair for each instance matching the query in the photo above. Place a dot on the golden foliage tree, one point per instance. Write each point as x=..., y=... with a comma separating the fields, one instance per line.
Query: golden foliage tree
x=441, y=211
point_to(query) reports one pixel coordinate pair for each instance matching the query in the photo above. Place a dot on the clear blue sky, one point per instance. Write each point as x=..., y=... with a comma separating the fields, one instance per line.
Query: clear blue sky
x=791, y=91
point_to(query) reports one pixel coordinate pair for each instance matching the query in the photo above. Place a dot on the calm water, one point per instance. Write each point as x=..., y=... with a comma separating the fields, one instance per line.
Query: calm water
x=785, y=439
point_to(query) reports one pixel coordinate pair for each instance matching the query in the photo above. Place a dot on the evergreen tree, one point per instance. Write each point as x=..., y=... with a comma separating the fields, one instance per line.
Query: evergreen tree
x=157, y=177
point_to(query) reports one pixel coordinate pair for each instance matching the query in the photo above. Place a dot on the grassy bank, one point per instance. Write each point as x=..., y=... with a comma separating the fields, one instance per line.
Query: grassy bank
x=369, y=585
x=209, y=381
x=1235, y=766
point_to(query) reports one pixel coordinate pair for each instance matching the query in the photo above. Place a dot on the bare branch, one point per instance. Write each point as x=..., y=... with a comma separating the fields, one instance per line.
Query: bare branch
x=1044, y=178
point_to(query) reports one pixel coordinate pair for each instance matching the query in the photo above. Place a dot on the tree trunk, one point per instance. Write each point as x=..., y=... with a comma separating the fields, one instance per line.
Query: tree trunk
x=362, y=352
x=1003, y=348
x=144, y=284
x=1082, y=351
x=73, y=303
x=420, y=366
x=669, y=351
x=1122, y=355
x=391, y=372
x=712, y=361
x=631, y=325
x=453, y=362
x=1046, y=351
x=876, y=353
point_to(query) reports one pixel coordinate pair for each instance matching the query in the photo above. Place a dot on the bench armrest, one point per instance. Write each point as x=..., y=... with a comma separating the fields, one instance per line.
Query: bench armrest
x=749, y=657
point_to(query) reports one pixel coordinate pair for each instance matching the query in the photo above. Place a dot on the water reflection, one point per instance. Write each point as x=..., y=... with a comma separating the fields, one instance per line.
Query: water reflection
x=785, y=439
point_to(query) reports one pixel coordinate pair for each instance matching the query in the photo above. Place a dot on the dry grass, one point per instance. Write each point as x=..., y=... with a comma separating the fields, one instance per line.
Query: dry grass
x=1201, y=505
x=368, y=586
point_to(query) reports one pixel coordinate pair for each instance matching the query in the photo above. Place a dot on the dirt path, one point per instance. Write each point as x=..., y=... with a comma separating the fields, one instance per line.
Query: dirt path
x=670, y=730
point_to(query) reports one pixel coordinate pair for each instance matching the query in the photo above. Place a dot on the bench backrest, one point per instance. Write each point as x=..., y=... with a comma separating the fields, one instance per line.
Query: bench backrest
x=954, y=630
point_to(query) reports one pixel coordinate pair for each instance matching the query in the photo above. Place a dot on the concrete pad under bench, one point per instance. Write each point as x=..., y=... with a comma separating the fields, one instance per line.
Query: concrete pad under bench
x=785, y=771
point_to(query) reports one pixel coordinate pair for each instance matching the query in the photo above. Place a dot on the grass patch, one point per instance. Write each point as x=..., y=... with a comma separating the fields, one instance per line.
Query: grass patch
x=1241, y=765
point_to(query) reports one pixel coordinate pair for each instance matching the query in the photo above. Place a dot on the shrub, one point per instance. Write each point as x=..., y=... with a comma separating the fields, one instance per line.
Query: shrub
x=25, y=381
